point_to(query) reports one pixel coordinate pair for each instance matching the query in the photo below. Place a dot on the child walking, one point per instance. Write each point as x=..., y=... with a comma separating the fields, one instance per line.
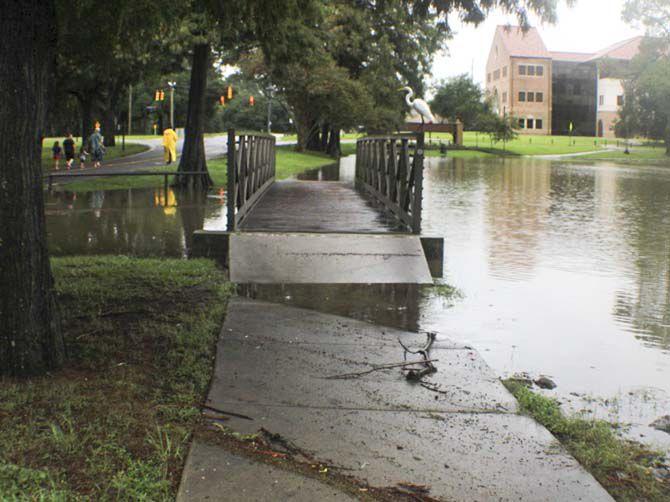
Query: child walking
x=57, y=151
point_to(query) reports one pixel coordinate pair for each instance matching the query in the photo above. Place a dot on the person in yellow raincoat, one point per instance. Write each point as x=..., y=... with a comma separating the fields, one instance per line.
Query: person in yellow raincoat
x=170, y=145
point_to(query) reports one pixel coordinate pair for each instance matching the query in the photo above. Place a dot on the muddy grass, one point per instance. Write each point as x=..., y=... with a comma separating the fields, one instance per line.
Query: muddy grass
x=627, y=470
x=116, y=422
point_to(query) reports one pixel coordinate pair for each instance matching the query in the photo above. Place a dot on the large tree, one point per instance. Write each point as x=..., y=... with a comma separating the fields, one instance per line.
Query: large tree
x=103, y=50
x=30, y=335
x=647, y=110
x=461, y=98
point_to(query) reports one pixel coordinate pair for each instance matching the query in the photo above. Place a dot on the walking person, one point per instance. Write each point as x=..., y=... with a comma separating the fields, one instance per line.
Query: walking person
x=97, y=148
x=68, y=148
x=170, y=145
x=56, y=151
x=82, y=157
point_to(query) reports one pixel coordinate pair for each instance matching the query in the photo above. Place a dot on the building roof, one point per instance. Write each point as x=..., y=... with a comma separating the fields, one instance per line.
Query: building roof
x=624, y=50
x=523, y=44
x=574, y=57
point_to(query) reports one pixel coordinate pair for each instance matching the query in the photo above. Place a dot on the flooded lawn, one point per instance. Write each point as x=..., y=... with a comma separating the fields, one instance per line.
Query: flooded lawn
x=564, y=270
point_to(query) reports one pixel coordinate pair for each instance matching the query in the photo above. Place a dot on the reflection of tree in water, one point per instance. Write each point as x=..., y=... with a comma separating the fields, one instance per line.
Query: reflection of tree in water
x=136, y=222
x=646, y=213
x=192, y=206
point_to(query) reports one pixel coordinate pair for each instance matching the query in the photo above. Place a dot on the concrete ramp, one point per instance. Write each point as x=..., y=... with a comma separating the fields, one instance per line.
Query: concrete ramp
x=311, y=258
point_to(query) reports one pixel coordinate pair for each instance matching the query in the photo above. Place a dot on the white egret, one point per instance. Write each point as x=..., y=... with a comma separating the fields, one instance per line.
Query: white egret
x=419, y=105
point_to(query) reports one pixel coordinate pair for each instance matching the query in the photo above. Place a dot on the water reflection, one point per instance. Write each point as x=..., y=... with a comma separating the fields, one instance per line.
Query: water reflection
x=565, y=268
x=146, y=222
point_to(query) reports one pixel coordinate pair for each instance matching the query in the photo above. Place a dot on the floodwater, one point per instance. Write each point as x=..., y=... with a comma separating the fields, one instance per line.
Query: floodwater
x=563, y=268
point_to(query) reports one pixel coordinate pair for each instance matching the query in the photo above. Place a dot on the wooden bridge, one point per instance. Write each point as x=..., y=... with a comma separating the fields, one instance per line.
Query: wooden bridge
x=324, y=231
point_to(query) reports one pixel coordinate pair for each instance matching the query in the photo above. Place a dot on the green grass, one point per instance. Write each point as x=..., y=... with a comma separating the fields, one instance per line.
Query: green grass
x=115, y=422
x=288, y=164
x=642, y=155
x=113, y=152
x=623, y=467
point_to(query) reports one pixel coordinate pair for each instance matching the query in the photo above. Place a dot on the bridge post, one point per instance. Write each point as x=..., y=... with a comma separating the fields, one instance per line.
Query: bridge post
x=418, y=183
x=230, y=182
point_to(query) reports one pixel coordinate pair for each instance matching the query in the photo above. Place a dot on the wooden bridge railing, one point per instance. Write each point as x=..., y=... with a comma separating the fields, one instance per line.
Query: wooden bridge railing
x=390, y=169
x=251, y=171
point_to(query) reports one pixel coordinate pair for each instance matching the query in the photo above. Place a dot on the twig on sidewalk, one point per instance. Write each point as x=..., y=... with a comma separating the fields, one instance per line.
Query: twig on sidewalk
x=378, y=368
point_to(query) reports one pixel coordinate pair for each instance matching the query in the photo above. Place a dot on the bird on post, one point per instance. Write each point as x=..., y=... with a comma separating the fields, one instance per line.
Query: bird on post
x=419, y=105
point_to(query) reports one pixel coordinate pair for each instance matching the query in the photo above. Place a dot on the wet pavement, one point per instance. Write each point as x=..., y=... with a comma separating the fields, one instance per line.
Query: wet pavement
x=315, y=206
x=458, y=434
x=327, y=258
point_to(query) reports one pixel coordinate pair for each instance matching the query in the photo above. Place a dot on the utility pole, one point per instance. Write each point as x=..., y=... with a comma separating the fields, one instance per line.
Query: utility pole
x=130, y=109
x=172, y=85
x=269, y=113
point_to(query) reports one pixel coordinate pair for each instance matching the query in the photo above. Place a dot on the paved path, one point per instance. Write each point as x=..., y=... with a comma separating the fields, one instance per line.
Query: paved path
x=331, y=258
x=463, y=439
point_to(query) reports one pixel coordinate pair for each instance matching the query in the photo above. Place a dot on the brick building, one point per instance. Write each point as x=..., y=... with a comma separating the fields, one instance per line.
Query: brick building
x=547, y=91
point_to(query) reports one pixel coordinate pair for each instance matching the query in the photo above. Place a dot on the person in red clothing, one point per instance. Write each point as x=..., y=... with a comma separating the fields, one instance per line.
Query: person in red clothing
x=57, y=152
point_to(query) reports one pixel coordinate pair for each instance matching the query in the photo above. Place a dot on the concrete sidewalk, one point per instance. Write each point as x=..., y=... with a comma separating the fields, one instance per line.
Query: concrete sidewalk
x=459, y=435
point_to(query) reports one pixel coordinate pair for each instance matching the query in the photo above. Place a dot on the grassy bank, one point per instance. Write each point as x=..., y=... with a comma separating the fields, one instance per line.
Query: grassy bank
x=113, y=152
x=639, y=155
x=114, y=424
x=623, y=467
x=288, y=164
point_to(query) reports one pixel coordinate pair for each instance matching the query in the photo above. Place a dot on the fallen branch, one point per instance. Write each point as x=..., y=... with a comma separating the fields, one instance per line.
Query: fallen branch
x=378, y=368
x=414, y=374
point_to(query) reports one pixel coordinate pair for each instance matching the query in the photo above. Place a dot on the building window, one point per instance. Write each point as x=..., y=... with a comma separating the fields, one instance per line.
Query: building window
x=529, y=123
x=522, y=96
x=496, y=75
x=619, y=100
x=531, y=70
x=504, y=97
x=601, y=100
x=538, y=124
x=539, y=97
x=504, y=71
x=539, y=70
x=522, y=69
x=530, y=97
x=522, y=123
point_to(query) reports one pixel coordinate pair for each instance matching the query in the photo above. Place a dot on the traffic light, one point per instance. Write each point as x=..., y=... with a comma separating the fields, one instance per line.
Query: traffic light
x=157, y=95
x=222, y=100
x=230, y=92
x=251, y=101
x=162, y=95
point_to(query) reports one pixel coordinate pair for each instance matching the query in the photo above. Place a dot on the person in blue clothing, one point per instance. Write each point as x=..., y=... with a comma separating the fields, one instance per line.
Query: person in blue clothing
x=96, y=147
x=57, y=152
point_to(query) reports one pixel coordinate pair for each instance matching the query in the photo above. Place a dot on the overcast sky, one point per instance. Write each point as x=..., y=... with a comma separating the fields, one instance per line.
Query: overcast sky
x=588, y=26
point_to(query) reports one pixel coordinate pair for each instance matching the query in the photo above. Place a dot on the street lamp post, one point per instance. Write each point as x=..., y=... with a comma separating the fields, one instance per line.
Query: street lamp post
x=172, y=85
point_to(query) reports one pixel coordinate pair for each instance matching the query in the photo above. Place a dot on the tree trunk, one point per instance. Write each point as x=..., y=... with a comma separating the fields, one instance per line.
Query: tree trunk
x=334, y=143
x=193, y=152
x=86, y=107
x=109, y=124
x=313, y=138
x=325, y=129
x=30, y=339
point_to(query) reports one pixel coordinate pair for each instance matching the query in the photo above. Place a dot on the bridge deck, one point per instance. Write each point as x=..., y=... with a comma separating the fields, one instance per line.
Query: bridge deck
x=315, y=206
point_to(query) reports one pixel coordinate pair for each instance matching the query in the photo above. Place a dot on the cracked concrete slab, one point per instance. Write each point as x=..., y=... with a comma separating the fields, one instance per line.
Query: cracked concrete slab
x=270, y=362
x=213, y=473
x=272, y=258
